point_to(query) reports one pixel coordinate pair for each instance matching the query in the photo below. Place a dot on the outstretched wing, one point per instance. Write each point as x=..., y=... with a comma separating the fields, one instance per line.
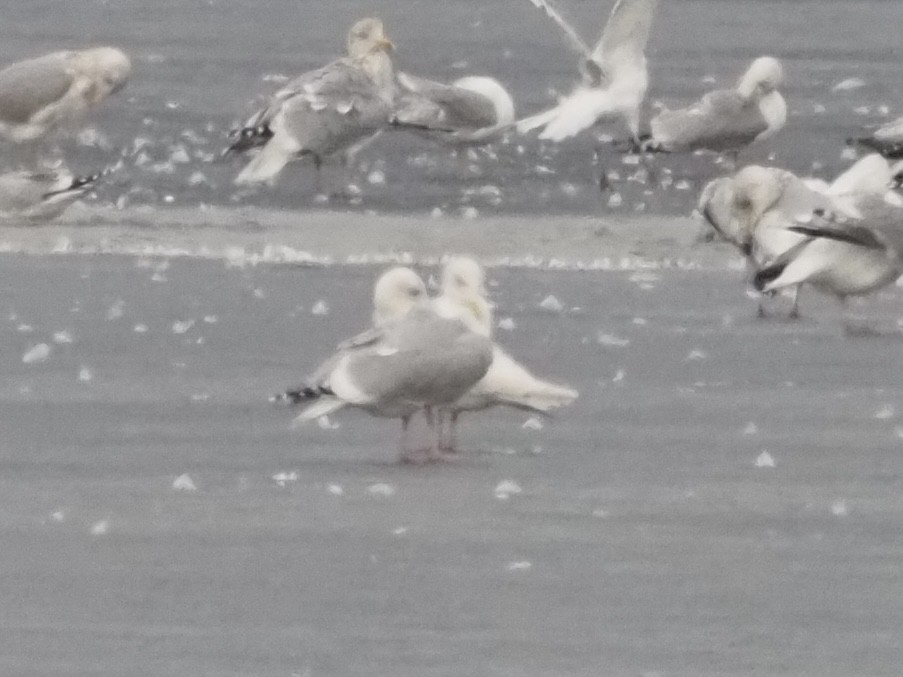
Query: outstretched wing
x=625, y=35
x=573, y=39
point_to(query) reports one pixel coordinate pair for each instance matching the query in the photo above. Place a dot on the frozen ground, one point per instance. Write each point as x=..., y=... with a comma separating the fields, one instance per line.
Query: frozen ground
x=201, y=64
x=650, y=536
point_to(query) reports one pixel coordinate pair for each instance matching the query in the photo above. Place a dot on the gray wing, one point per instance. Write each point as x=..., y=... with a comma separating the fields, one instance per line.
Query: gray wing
x=337, y=107
x=626, y=33
x=29, y=86
x=880, y=226
x=423, y=359
x=721, y=120
x=432, y=104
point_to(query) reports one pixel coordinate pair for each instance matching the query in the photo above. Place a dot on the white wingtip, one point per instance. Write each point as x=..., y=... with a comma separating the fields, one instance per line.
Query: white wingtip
x=322, y=407
x=264, y=167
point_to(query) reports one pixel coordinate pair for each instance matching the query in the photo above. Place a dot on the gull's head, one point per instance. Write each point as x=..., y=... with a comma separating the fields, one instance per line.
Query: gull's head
x=366, y=37
x=756, y=190
x=764, y=75
x=108, y=70
x=396, y=292
x=716, y=207
x=464, y=284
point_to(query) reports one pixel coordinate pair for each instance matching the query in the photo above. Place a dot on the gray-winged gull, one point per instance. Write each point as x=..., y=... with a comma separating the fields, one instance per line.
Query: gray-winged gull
x=40, y=196
x=614, y=75
x=334, y=109
x=471, y=110
x=726, y=120
x=42, y=94
x=421, y=361
x=507, y=382
x=843, y=255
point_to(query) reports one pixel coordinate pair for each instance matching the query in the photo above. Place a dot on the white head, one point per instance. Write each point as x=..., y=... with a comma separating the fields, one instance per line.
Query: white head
x=493, y=90
x=764, y=75
x=716, y=207
x=396, y=292
x=756, y=190
x=366, y=37
x=464, y=285
x=107, y=68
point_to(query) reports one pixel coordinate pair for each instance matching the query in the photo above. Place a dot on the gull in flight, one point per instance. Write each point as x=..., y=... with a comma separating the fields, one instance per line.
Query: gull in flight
x=336, y=109
x=613, y=74
x=726, y=120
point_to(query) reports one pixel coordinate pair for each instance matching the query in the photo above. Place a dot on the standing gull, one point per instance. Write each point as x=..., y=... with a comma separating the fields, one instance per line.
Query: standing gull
x=613, y=74
x=843, y=255
x=507, y=382
x=726, y=120
x=38, y=96
x=471, y=110
x=335, y=109
x=40, y=196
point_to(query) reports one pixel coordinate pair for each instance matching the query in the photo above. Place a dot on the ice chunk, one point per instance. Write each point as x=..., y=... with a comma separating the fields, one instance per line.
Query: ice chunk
x=184, y=483
x=765, y=460
x=381, y=489
x=36, y=354
x=506, y=489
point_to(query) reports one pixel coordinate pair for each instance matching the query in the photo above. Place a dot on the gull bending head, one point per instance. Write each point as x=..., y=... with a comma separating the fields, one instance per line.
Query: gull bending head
x=107, y=68
x=396, y=292
x=756, y=190
x=764, y=75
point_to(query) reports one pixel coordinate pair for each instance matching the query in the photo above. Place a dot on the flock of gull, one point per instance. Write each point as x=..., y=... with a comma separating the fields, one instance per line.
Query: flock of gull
x=436, y=355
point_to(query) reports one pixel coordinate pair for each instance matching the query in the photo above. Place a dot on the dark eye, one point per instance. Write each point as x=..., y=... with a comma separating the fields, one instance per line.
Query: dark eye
x=414, y=292
x=742, y=203
x=460, y=282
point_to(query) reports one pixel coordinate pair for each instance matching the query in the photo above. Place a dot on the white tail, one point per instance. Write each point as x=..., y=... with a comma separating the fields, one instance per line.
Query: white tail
x=267, y=164
x=321, y=407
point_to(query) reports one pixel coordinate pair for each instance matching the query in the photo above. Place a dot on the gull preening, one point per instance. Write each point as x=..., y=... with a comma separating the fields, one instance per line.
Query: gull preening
x=613, y=74
x=333, y=110
x=758, y=210
x=40, y=196
x=471, y=110
x=40, y=95
x=726, y=120
x=844, y=255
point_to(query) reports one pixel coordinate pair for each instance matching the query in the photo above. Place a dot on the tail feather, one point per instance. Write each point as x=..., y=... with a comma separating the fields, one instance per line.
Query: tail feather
x=536, y=121
x=322, y=407
x=266, y=165
x=544, y=399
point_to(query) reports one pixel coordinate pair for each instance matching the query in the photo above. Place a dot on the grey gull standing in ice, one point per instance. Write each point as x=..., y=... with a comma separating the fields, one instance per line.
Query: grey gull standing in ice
x=40, y=196
x=334, y=109
x=726, y=120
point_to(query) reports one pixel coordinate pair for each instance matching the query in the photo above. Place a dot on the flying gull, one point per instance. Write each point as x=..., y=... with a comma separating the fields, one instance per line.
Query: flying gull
x=726, y=120
x=613, y=74
x=335, y=109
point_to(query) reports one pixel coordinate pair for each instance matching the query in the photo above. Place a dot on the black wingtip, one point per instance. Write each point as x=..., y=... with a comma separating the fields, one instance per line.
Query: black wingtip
x=247, y=138
x=768, y=274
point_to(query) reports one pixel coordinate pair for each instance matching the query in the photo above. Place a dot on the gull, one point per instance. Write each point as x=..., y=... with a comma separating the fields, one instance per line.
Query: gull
x=841, y=254
x=613, y=74
x=420, y=361
x=887, y=139
x=507, y=382
x=471, y=110
x=50, y=92
x=335, y=109
x=40, y=196
x=726, y=120
x=757, y=208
